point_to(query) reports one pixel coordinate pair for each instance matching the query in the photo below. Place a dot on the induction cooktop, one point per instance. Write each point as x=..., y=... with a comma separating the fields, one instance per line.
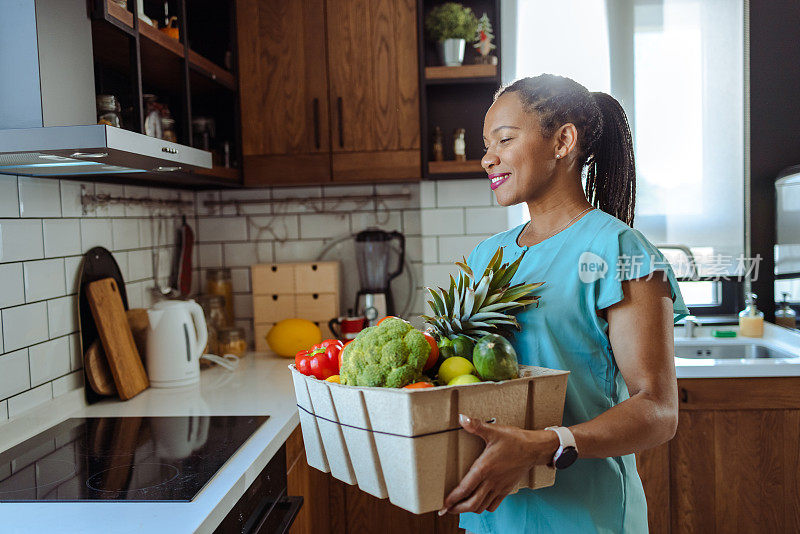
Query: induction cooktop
x=122, y=458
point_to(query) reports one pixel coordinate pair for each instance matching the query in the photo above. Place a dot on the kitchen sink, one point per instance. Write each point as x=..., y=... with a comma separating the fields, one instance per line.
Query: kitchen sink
x=729, y=351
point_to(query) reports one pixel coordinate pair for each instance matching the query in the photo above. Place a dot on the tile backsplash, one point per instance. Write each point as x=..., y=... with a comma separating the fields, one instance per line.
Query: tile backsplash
x=44, y=232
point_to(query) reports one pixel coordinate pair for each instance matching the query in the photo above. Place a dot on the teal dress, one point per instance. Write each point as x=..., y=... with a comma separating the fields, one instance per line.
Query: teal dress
x=582, y=268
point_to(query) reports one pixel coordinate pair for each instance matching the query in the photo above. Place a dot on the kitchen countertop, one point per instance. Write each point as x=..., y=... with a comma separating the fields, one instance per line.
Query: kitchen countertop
x=261, y=385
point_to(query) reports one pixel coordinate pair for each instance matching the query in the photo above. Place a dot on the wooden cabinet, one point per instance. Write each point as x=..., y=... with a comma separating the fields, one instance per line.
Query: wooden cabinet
x=329, y=90
x=734, y=464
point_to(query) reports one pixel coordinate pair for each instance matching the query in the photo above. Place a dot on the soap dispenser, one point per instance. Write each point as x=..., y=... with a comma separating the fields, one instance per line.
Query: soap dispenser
x=785, y=315
x=751, y=320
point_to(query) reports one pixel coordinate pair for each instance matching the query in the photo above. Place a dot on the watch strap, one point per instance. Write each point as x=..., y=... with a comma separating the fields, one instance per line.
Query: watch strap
x=565, y=440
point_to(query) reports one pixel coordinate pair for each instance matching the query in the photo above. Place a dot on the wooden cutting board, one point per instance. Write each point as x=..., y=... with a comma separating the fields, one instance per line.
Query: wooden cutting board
x=95, y=362
x=115, y=333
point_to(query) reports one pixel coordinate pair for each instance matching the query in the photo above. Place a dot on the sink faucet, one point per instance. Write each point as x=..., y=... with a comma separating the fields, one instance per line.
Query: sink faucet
x=692, y=263
x=690, y=322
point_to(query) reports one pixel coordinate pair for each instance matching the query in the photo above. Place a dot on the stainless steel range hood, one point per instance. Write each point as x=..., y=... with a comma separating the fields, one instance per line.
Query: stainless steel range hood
x=47, y=102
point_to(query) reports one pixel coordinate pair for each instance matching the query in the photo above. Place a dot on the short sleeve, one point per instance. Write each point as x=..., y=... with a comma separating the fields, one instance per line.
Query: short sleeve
x=630, y=256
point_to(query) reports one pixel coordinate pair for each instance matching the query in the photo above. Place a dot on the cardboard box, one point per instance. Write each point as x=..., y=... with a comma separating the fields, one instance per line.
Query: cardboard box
x=407, y=444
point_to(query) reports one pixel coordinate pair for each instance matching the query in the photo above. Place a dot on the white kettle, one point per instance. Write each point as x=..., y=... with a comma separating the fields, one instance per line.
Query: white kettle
x=176, y=339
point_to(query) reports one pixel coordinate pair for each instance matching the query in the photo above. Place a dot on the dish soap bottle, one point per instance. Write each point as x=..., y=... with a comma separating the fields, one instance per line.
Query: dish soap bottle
x=751, y=320
x=785, y=315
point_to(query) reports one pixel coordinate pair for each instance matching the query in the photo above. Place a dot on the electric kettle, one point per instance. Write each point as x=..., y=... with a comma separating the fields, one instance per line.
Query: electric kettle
x=176, y=338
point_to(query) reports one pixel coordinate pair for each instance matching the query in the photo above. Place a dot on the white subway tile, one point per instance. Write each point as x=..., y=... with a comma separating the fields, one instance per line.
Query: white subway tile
x=241, y=280
x=222, y=229
x=487, y=220
x=44, y=279
x=62, y=237
x=279, y=227
x=24, y=325
x=430, y=249
x=454, y=248
x=14, y=373
x=72, y=266
x=247, y=254
x=191, y=210
x=210, y=255
x=446, y=221
x=246, y=194
x=243, y=306
x=169, y=195
x=140, y=265
x=202, y=197
x=96, y=233
x=12, y=288
x=300, y=206
x=412, y=222
x=459, y=193
x=67, y=383
x=4, y=411
x=147, y=234
x=324, y=225
x=125, y=233
x=122, y=262
x=135, y=191
x=290, y=251
x=20, y=240
x=437, y=275
x=427, y=194
x=385, y=220
x=9, y=196
x=39, y=197
x=62, y=316
x=49, y=360
x=332, y=191
x=29, y=400
x=135, y=293
x=413, y=249
x=71, y=205
x=75, y=355
x=412, y=202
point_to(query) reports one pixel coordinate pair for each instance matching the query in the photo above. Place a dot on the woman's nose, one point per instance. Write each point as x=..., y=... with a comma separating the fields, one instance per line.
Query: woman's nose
x=489, y=160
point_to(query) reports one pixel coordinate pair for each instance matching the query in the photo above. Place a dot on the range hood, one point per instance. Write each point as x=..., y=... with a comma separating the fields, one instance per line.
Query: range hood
x=47, y=102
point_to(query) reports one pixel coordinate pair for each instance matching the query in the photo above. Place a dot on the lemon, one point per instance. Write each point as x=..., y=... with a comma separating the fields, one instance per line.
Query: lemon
x=289, y=336
x=334, y=379
x=455, y=366
x=464, y=379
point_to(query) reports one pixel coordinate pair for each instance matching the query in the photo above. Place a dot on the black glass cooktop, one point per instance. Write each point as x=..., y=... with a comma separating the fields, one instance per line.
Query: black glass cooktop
x=122, y=458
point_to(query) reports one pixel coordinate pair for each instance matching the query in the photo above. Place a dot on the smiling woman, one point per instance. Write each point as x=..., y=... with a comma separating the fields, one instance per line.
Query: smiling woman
x=603, y=314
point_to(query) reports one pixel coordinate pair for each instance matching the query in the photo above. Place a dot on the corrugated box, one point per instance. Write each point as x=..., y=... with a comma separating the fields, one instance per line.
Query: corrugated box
x=407, y=444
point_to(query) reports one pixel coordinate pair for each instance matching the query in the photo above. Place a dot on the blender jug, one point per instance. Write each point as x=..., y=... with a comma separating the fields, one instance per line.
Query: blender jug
x=373, y=251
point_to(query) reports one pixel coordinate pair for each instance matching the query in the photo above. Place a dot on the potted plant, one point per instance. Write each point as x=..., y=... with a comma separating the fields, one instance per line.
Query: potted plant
x=450, y=25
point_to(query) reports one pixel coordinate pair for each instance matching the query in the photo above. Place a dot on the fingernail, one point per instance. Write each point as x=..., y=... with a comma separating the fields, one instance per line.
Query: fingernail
x=463, y=419
x=442, y=512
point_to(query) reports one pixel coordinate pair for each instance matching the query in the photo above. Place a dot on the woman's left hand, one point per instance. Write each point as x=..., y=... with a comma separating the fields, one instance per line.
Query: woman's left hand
x=509, y=451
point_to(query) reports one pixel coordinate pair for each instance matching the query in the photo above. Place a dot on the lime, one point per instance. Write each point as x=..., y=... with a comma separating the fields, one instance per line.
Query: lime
x=464, y=379
x=453, y=367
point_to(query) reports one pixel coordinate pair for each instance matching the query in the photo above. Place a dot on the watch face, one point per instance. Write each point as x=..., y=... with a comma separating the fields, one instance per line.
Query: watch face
x=566, y=458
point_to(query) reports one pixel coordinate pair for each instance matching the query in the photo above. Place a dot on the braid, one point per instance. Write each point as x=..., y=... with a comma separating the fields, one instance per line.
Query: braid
x=604, y=138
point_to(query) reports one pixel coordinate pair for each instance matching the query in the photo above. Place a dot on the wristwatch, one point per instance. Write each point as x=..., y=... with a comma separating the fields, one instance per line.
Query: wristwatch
x=567, y=451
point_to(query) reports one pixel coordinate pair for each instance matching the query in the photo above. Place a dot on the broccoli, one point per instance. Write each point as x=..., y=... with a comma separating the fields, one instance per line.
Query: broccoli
x=391, y=354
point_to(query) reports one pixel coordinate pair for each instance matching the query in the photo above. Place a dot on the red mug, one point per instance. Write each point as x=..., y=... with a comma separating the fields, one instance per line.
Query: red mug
x=347, y=328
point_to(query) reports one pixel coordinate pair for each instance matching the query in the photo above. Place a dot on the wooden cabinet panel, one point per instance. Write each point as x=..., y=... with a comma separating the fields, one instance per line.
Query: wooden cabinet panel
x=653, y=467
x=283, y=76
x=366, y=513
x=367, y=166
x=791, y=470
x=373, y=76
x=692, y=474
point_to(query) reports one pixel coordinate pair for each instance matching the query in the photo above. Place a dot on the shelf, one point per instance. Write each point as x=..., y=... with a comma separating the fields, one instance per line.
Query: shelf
x=462, y=72
x=160, y=39
x=449, y=167
x=212, y=70
x=225, y=173
x=122, y=15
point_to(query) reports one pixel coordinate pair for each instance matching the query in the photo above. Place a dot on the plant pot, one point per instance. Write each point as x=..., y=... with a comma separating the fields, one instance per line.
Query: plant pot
x=451, y=52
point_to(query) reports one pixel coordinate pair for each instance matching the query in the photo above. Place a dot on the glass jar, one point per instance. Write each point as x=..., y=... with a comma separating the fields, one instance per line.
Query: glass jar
x=232, y=341
x=168, y=129
x=152, y=116
x=108, y=110
x=785, y=316
x=203, y=130
x=218, y=282
x=214, y=310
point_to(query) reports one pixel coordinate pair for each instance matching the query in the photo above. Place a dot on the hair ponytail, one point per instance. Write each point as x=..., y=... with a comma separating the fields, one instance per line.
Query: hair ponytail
x=604, y=137
x=611, y=176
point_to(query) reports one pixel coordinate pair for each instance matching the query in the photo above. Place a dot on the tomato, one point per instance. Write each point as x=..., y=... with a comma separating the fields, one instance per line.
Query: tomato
x=321, y=367
x=341, y=352
x=418, y=385
x=332, y=354
x=433, y=356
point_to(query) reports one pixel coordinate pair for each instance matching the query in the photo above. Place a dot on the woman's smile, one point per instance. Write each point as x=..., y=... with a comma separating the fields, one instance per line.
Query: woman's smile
x=496, y=179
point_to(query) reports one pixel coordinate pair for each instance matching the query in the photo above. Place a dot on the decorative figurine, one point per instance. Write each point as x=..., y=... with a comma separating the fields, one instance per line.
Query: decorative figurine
x=459, y=144
x=438, y=145
x=484, y=42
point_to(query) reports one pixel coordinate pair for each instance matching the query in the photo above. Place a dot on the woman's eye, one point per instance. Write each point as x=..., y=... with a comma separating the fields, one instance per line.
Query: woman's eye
x=506, y=139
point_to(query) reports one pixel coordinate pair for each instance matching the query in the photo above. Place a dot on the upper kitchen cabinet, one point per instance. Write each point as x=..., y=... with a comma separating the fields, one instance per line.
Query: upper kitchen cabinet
x=329, y=91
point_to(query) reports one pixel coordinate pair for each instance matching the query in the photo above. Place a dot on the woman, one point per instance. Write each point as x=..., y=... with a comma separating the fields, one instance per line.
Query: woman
x=606, y=314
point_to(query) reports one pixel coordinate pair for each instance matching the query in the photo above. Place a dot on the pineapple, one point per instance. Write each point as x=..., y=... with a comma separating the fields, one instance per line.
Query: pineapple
x=475, y=309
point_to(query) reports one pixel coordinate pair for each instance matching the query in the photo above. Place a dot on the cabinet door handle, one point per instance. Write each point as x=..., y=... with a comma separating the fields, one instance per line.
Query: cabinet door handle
x=684, y=395
x=316, y=123
x=341, y=126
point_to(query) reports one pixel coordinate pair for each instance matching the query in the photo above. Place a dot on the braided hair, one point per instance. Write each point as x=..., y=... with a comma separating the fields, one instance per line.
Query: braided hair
x=604, y=142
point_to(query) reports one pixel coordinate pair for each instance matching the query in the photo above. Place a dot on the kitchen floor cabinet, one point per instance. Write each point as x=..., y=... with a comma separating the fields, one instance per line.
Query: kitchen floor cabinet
x=329, y=90
x=734, y=464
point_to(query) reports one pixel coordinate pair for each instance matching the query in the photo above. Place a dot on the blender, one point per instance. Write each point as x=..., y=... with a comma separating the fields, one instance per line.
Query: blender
x=373, y=251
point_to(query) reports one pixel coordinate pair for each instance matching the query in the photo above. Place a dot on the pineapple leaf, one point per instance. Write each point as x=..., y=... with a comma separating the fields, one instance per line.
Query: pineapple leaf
x=439, y=308
x=464, y=267
x=495, y=262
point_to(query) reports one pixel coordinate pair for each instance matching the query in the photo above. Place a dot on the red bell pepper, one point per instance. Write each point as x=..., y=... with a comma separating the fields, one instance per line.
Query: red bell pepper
x=321, y=366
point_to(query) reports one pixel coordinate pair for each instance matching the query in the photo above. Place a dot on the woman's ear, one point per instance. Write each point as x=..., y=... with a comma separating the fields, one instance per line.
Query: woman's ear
x=566, y=138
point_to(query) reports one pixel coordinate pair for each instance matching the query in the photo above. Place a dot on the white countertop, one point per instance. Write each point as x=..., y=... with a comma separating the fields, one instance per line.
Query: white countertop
x=261, y=385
